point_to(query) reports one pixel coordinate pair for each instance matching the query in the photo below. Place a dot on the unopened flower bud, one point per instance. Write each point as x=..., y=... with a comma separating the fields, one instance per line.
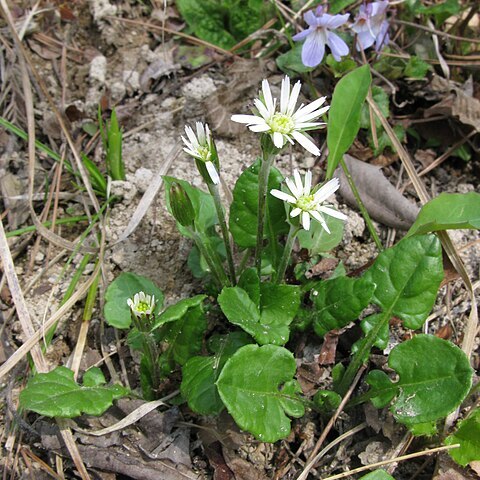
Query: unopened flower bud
x=182, y=208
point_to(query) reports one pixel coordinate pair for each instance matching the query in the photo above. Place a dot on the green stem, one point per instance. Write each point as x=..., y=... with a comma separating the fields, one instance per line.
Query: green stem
x=48, y=223
x=287, y=251
x=361, y=206
x=361, y=355
x=268, y=151
x=243, y=262
x=214, y=192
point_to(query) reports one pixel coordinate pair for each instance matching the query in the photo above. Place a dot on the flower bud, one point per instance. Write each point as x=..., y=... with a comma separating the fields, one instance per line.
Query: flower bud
x=181, y=205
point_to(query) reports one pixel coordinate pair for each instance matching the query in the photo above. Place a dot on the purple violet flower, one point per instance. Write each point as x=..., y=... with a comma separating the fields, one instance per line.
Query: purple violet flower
x=318, y=34
x=371, y=25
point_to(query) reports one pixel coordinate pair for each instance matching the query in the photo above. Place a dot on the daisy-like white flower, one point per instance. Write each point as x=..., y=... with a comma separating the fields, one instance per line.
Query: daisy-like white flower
x=308, y=202
x=285, y=125
x=142, y=304
x=201, y=148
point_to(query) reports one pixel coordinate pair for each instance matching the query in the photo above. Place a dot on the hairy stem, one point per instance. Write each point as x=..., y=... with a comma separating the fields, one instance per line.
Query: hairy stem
x=287, y=251
x=213, y=189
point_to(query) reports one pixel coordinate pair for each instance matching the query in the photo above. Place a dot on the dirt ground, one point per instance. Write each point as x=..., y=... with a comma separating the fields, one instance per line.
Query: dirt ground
x=115, y=54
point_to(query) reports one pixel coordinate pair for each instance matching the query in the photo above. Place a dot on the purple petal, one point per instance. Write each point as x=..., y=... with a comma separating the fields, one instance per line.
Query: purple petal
x=382, y=37
x=334, y=21
x=314, y=49
x=338, y=47
x=310, y=18
x=364, y=40
x=378, y=8
x=301, y=35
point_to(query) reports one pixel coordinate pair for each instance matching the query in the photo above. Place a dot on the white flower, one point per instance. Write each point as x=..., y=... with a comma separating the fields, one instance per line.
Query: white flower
x=200, y=146
x=142, y=304
x=309, y=202
x=285, y=125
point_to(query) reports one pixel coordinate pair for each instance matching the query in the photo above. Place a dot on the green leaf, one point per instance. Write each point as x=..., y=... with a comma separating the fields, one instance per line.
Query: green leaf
x=291, y=61
x=93, y=377
x=125, y=286
x=377, y=475
x=448, y=211
x=407, y=277
x=56, y=394
x=183, y=336
x=205, y=213
x=267, y=322
x=250, y=387
x=201, y=373
x=245, y=205
x=380, y=97
x=114, y=158
x=340, y=68
x=416, y=67
x=344, y=114
x=178, y=310
x=326, y=400
x=318, y=240
x=434, y=378
x=339, y=302
x=244, y=208
x=468, y=436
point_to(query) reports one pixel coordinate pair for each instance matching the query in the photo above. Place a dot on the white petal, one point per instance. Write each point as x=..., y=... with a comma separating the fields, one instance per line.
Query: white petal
x=292, y=187
x=295, y=212
x=278, y=140
x=201, y=133
x=259, y=128
x=306, y=220
x=326, y=190
x=267, y=95
x=262, y=109
x=294, y=97
x=332, y=212
x=248, y=119
x=212, y=171
x=312, y=115
x=306, y=143
x=285, y=94
x=191, y=136
x=130, y=303
x=303, y=110
x=283, y=196
x=308, y=183
x=304, y=125
x=317, y=216
x=298, y=181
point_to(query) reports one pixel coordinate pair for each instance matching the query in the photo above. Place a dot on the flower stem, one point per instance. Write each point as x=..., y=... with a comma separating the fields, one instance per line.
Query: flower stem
x=214, y=192
x=211, y=257
x=361, y=206
x=268, y=154
x=287, y=251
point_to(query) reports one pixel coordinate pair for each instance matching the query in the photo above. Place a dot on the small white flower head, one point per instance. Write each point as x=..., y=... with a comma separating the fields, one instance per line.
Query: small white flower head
x=308, y=202
x=142, y=304
x=286, y=124
x=202, y=149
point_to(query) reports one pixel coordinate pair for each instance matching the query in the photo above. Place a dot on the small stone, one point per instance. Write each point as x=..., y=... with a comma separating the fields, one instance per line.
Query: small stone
x=199, y=88
x=143, y=178
x=39, y=257
x=98, y=69
x=124, y=189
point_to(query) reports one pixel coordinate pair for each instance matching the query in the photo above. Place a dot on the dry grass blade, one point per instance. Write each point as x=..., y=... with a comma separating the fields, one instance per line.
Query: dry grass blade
x=150, y=194
x=132, y=417
x=472, y=324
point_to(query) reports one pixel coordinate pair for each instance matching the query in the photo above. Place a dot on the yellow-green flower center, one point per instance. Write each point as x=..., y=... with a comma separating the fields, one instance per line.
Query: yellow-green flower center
x=204, y=153
x=306, y=203
x=142, y=307
x=282, y=123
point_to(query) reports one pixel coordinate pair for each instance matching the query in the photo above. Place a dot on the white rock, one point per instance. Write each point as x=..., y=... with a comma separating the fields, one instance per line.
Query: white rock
x=101, y=9
x=98, y=69
x=142, y=179
x=199, y=88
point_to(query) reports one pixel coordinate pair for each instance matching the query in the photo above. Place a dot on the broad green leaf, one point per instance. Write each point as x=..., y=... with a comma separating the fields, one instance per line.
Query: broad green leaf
x=268, y=322
x=416, y=67
x=448, y=211
x=178, y=310
x=93, y=377
x=377, y=475
x=56, y=394
x=341, y=68
x=468, y=436
x=369, y=323
x=318, y=240
x=326, y=400
x=244, y=208
x=197, y=263
x=380, y=97
x=250, y=387
x=201, y=373
x=184, y=337
x=205, y=213
x=407, y=277
x=125, y=286
x=339, y=301
x=344, y=114
x=291, y=62
x=434, y=376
